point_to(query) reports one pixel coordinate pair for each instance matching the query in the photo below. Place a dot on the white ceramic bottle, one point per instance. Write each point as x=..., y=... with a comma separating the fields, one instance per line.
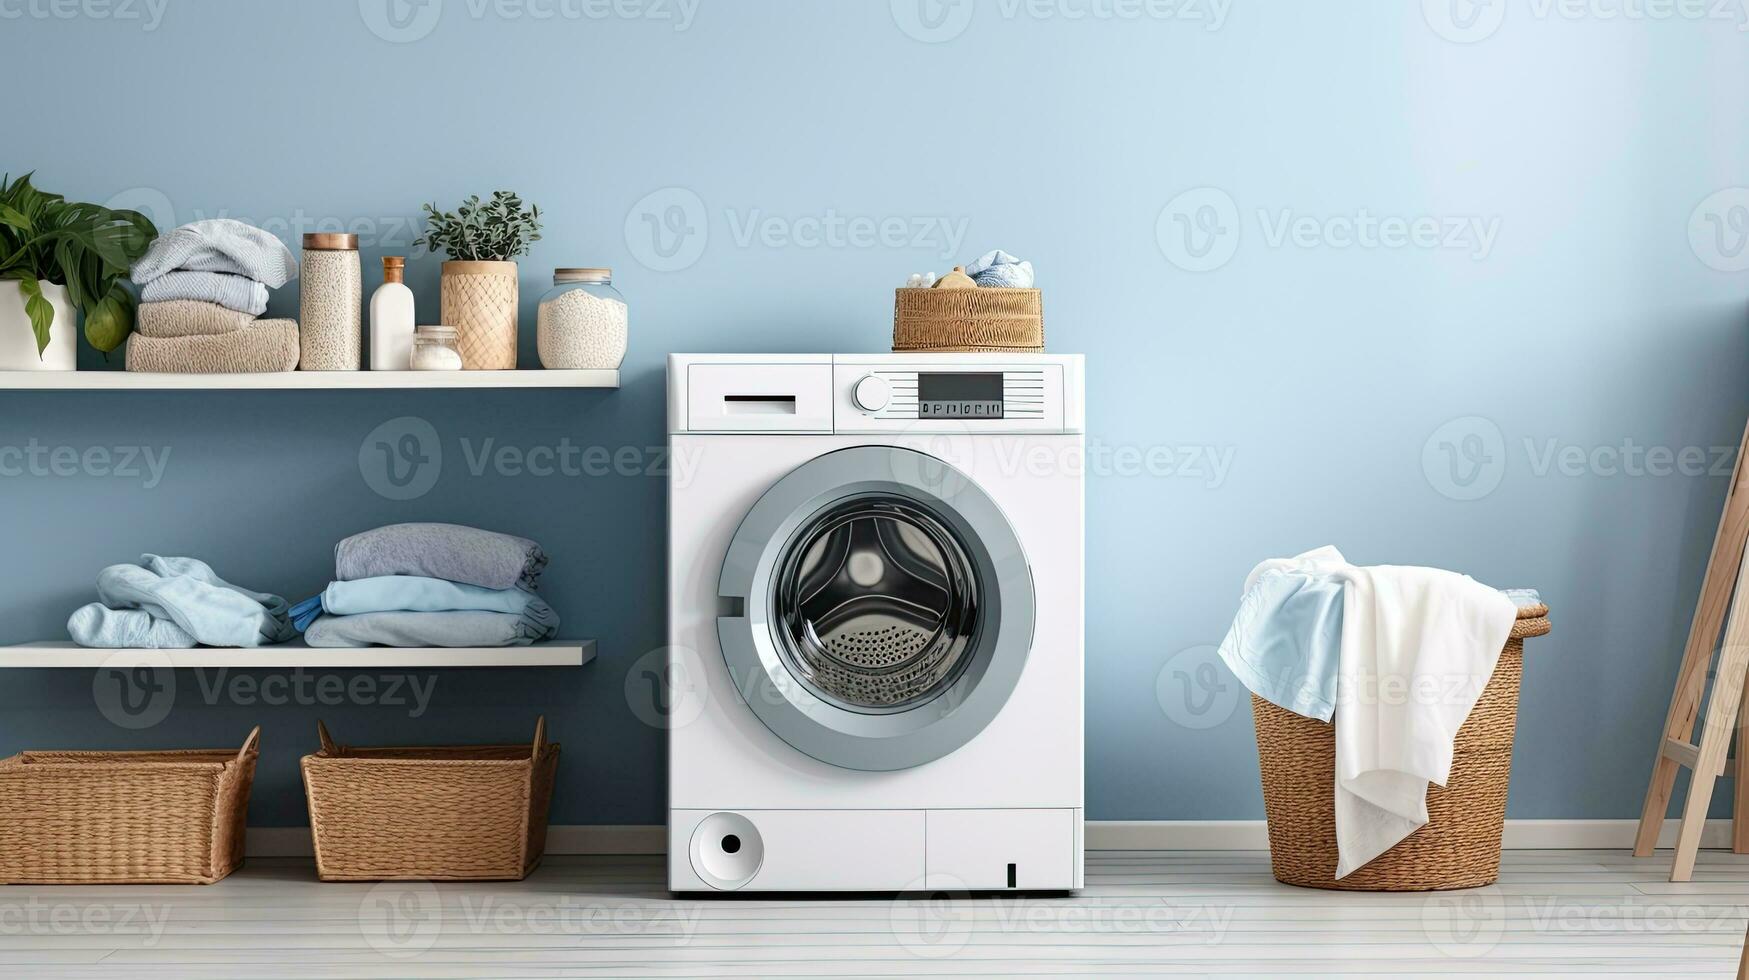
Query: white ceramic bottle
x=391, y=319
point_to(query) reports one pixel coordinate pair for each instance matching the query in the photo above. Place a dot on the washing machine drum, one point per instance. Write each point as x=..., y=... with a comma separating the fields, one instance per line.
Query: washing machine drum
x=883, y=606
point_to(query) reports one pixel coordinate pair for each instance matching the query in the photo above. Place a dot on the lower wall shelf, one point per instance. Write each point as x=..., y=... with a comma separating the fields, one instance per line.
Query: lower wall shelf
x=64, y=653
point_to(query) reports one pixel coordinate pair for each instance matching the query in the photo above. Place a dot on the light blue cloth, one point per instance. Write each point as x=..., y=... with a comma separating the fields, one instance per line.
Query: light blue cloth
x=417, y=593
x=238, y=293
x=177, y=602
x=999, y=269
x=468, y=628
x=1285, y=644
x=218, y=245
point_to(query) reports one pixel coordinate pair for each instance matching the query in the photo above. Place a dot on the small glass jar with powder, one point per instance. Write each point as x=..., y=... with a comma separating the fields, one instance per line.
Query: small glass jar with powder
x=434, y=349
x=582, y=322
x=330, y=304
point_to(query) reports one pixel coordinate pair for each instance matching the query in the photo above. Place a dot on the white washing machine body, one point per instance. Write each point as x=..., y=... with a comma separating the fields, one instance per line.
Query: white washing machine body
x=875, y=670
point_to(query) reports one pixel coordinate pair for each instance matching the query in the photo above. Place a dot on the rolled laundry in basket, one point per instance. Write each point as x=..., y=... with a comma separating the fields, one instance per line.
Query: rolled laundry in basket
x=469, y=628
x=264, y=346
x=187, y=318
x=447, y=551
x=236, y=292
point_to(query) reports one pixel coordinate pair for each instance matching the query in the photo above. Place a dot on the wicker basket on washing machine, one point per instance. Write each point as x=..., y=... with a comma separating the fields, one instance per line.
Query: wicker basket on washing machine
x=1459, y=847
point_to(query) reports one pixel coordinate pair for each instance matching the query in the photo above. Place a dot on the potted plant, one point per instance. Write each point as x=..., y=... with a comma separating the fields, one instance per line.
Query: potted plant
x=59, y=259
x=479, y=287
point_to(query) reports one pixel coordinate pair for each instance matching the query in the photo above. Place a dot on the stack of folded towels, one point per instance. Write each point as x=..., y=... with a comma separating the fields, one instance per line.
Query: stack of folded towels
x=173, y=603
x=430, y=585
x=202, y=288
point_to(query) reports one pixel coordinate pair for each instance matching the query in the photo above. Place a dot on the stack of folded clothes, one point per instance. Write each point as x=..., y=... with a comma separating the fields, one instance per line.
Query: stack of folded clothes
x=430, y=585
x=202, y=288
x=170, y=603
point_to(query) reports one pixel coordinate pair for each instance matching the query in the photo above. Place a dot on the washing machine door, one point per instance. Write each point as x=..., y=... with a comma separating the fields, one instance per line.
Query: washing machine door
x=878, y=608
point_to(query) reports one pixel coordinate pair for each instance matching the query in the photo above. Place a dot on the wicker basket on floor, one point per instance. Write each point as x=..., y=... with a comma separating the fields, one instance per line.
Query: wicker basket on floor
x=469, y=813
x=70, y=818
x=1459, y=847
x=983, y=319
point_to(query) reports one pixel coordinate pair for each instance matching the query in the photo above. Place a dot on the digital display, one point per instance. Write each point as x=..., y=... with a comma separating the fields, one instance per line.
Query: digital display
x=959, y=396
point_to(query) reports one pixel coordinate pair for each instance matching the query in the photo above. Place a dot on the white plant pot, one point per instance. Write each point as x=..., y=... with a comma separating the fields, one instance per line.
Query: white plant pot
x=18, y=341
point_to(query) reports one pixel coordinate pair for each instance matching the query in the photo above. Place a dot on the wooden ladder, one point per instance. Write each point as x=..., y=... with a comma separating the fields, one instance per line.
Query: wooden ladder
x=1727, y=708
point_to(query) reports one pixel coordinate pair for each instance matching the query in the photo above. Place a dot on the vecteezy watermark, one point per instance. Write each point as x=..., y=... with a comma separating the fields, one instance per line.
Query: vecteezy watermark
x=136, y=689
x=147, y=13
x=1195, y=689
x=1470, y=21
x=1718, y=230
x=406, y=21
x=1200, y=230
x=667, y=230
x=1467, y=459
x=936, y=21
x=1469, y=925
x=936, y=917
x=402, y=459
x=406, y=919
x=35, y=917
x=385, y=231
x=37, y=460
x=666, y=688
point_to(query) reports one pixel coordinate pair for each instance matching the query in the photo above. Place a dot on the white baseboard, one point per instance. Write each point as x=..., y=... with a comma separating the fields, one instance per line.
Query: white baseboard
x=1102, y=835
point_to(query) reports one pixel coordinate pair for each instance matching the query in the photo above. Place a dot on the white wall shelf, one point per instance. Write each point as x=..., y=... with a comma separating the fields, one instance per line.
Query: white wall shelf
x=64, y=653
x=301, y=380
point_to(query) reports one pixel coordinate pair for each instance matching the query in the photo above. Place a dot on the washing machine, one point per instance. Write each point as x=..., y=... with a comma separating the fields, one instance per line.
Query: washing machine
x=874, y=671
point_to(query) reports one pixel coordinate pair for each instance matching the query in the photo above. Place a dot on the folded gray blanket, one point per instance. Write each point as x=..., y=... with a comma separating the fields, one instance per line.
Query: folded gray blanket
x=177, y=602
x=233, y=292
x=469, y=628
x=218, y=245
x=447, y=551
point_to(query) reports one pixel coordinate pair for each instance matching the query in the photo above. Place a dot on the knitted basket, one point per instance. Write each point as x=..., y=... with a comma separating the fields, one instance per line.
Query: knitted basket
x=1458, y=847
x=982, y=319
x=124, y=817
x=472, y=813
x=479, y=300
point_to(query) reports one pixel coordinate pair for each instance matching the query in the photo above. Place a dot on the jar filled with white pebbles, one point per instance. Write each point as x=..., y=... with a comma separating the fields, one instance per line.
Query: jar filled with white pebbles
x=582, y=322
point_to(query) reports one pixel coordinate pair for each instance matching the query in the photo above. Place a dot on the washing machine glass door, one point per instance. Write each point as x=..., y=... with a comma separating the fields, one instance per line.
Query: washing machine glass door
x=879, y=608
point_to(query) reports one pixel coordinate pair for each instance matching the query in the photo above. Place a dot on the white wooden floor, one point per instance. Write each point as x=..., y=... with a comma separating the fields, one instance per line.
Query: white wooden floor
x=1573, y=913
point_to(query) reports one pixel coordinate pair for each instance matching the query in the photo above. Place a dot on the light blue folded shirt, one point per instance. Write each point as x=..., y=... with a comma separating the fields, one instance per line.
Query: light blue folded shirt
x=1285, y=644
x=177, y=602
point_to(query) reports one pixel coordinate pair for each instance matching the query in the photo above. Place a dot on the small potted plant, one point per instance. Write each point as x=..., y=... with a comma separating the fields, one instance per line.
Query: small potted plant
x=479, y=286
x=59, y=259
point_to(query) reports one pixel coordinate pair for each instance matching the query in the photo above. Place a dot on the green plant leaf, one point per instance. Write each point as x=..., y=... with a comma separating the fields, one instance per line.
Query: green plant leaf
x=41, y=313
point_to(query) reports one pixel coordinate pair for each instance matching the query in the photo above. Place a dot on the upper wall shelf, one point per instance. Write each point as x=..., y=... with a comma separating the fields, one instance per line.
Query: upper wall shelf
x=298, y=380
x=61, y=653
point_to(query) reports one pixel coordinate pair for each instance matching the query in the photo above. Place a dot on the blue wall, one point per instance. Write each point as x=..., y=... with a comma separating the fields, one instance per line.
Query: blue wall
x=1352, y=394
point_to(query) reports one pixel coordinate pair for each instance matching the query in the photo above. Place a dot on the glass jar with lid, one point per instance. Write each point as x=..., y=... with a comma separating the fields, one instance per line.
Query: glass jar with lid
x=434, y=349
x=582, y=323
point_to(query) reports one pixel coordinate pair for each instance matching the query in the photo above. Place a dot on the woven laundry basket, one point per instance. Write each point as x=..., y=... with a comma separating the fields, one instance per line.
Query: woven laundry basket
x=147, y=818
x=982, y=319
x=1458, y=847
x=469, y=813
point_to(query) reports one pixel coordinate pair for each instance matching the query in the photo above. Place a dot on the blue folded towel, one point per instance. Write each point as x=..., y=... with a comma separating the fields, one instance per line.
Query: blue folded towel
x=218, y=245
x=414, y=593
x=466, y=628
x=177, y=602
x=238, y=293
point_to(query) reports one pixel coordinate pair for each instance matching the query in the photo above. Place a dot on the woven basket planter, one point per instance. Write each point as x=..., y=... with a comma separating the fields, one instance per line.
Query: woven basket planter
x=470, y=813
x=146, y=818
x=983, y=319
x=479, y=300
x=1458, y=847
